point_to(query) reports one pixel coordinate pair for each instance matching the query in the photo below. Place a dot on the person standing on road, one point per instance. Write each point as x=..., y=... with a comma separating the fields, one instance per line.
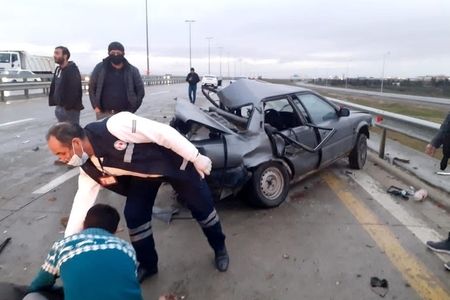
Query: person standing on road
x=132, y=156
x=192, y=79
x=442, y=138
x=115, y=85
x=65, y=89
x=93, y=264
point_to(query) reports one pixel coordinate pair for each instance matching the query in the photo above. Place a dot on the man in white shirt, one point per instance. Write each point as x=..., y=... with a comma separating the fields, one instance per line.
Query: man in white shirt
x=132, y=156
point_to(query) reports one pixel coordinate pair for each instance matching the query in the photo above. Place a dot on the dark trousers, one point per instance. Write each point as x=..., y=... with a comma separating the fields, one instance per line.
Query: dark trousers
x=192, y=92
x=139, y=205
x=64, y=115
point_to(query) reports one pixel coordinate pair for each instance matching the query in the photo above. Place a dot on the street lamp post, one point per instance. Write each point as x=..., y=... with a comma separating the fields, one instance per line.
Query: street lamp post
x=382, y=70
x=220, y=63
x=228, y=62
x=146, y=36
x=209, y=54
x=190, y=45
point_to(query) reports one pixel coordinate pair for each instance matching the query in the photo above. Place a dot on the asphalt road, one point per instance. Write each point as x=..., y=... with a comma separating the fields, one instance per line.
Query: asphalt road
x=337, y=229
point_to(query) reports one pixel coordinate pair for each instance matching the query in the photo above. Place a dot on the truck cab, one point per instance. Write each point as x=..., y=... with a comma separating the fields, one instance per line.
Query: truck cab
x=9, y=61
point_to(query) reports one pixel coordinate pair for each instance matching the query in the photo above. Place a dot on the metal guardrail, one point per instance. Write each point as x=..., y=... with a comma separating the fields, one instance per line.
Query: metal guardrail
x=45, y=85
x=412, y=127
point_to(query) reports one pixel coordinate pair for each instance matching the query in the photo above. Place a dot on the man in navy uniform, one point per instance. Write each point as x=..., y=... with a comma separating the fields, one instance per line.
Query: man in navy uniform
x=132, y=156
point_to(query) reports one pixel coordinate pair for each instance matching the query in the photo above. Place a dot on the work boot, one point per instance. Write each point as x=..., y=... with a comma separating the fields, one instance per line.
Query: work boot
x=143, y=273
x=442, y=247
x=222, y=259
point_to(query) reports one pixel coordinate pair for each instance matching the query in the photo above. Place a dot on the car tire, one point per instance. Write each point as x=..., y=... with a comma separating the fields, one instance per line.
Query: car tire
x=358, y=156
x=268, y=186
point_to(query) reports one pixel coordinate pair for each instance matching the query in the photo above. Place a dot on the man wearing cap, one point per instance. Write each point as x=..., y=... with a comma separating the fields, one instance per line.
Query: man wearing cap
x=115, y=85
x=133, y=156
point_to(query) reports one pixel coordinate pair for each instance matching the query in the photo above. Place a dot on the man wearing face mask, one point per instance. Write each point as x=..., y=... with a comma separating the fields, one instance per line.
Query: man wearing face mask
x=115, y=85
x=132, y=156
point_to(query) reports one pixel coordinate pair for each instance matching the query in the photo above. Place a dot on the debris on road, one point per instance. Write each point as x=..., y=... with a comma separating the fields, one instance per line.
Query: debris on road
x=171, y=297
x=63, y=221
x=3, y=245
x=392, y=160
x=443, y=173
x=286, y=256
x=379, y=286
x=41, y=217
x=26, y=142
x=420, y=195
x=396, y=191
x=35, y=148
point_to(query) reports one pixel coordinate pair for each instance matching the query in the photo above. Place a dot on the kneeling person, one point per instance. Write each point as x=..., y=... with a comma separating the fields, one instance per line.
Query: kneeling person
x=93, y=264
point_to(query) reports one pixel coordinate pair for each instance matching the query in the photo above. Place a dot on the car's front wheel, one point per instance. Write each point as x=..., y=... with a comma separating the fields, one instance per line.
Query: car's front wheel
x=268, y=186
x=357, y=158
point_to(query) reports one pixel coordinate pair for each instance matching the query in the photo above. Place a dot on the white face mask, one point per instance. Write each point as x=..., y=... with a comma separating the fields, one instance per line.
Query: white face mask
x=77, y=161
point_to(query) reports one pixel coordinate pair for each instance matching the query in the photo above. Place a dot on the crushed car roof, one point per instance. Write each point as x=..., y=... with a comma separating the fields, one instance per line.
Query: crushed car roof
x=246, y=91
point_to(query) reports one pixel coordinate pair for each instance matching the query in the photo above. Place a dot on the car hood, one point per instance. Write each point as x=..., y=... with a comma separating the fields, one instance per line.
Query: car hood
x=188, y=112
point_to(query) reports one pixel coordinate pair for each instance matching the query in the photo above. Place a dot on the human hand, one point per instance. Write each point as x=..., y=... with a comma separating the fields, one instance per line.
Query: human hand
x=430, y=150
x=203, y=165
x=97, y=110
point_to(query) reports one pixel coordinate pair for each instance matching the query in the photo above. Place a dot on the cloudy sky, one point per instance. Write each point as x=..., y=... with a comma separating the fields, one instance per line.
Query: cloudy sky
x=269, y=38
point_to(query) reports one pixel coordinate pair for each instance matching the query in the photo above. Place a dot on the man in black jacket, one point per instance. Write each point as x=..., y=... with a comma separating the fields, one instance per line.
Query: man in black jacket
x=442, y=138
x=115, y=84
x=65, y=89
x=192, y=78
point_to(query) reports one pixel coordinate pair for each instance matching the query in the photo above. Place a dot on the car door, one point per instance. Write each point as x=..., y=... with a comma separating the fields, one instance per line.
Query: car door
x=281, y=115
x=321, y=113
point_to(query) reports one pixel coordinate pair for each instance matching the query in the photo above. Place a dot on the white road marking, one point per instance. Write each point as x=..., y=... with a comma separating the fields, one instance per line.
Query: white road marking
x=57, y=181
x=158, y=93
x=418, y=227
x=16, y=122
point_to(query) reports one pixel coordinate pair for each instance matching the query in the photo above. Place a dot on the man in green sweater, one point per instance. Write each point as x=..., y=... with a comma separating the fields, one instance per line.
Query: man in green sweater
x=93, y=264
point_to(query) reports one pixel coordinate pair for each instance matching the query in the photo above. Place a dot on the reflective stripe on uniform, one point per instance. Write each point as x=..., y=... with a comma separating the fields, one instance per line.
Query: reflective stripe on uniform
x=143, y=227
x=211, y=220
x=184, y=165
x=128, y=153
x=141, y=236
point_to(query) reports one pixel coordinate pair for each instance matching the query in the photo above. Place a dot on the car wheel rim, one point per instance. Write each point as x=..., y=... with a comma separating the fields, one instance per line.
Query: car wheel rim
x=362, y=152
x=272, y=183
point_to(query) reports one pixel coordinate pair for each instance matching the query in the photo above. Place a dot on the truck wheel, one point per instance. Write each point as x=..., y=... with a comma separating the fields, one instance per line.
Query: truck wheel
x=358, y=156
x=268, y=186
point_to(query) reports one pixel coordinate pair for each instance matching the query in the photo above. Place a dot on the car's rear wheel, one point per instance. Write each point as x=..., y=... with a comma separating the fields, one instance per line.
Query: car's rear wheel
x=268, y=186
x=357, y=158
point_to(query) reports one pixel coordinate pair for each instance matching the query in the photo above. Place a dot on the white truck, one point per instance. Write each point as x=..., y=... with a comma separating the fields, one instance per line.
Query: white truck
x=14, y=60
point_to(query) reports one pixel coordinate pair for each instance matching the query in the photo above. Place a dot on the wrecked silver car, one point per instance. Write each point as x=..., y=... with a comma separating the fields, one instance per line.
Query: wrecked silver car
x=261, y=136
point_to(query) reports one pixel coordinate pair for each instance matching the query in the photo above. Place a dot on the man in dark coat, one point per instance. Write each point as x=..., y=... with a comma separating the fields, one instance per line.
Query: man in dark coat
x=65, y=89
x=115, y=85
x=441, y=138
x=192, y=79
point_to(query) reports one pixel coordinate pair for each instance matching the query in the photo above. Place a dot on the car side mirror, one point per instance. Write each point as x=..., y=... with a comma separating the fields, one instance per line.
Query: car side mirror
x=344, y=112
